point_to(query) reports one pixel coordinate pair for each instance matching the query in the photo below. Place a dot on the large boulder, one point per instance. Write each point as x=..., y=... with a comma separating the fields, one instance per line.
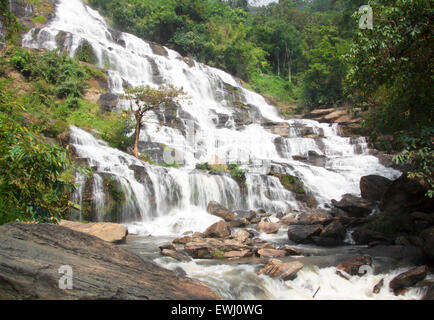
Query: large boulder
x=332, y=235
x=218, y=210
x=108, y=102
x=406, y=196
x=110, y=232
x=271, y=253
x=276, y=269
x=353, y=266
x=365, y=236
x=219, y=229
x=354, y=206
x=268, y=227
x=31, y=256
x=373, y=187
x=303, y=234
x=428, y=247
x=408, y=278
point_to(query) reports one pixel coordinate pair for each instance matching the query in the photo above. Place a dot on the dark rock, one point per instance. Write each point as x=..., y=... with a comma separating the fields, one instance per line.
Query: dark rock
x=429, y=295
x=406, y=196
x=218, y=210
x=428, y=248
x=108, y=102
x=373, y=187
x=354, y=206
x=31, y=256
x=314, y=216
x=378, y=286
x=408, y=278
x=219, y=229
x=409, y=254
x=303, y=234
x=365, y=236
x=353, y=265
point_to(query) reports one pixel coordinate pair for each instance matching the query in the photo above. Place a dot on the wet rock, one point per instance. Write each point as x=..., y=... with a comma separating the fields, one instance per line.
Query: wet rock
x=218, y=210
x=276, y=269
x=158, y=50
x=406, y=196
x=167, y=246
x=244, y=214
x=211, y=248
x=354, y=206
x=365, y=236
x=373, y=187
x=188, y=238
x=288, y=221
x=271, y=253
x=378, y=286
x=175, y=254
x=291, y=251
x=268, y=227
x=314, y=216
x=219, y=229
x=108, y=102
x=238, y=254
x=408, y=278
x=303, y=234
x=32, y=254
x=334, y=230
x=428, y=237
x=353, y=265
x=242, y=235
x=281, y=128
x=110, y=232
x=408, y=254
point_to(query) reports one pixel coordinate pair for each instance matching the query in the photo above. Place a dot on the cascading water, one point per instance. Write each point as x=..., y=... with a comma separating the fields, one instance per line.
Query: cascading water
x=221, y=120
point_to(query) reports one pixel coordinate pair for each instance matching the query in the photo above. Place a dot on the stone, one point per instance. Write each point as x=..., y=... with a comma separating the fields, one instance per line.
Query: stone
x=108, y=102
x=175, y=254
x=219, y=229
x=378, y=286
x=110, y=232
x=218, y=210
x=291, y=251
x=354, y=206
x=276, y=269
x=373, y=187
x=211, y=248
x=271, y=253
x=428, y=237
x=303, y=234
x=32, y=254
x=363, y=236
x=238, y=254
x=242, y=235
x=353, y=265
x=314, y=216
x=408, y=278
x=268, y=227
x=334, y=230
x=406, y=195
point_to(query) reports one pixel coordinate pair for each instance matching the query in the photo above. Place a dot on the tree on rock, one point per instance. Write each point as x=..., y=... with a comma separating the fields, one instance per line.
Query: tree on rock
x=143, y=99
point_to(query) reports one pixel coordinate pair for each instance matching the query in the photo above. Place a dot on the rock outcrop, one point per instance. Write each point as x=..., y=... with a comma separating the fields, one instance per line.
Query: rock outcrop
x=31, y=256
x=373, y=187
x=110, y=232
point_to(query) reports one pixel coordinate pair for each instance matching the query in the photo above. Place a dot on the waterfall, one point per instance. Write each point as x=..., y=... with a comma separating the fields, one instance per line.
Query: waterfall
x=221, y=120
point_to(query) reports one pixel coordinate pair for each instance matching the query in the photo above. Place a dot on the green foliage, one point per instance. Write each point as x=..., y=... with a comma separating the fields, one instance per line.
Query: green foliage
x=32, y=181
x=390, y=75
x=419, y=153
x=85, y=53
x=239, y=175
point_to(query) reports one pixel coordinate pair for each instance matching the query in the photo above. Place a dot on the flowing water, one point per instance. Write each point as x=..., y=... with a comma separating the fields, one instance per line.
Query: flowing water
x=220, y=122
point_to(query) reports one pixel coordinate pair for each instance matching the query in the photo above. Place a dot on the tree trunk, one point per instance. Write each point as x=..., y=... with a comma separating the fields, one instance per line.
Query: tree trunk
x=138, y=117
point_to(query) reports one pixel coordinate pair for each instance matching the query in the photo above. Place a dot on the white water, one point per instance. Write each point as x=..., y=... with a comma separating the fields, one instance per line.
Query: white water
x=170, y=201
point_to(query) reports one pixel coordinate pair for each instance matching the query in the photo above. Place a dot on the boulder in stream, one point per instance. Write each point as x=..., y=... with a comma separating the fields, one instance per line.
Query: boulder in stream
x=276, y=269
x=408, y=278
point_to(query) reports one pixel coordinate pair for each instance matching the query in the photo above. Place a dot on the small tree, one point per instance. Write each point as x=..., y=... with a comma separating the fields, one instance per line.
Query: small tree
x=143, y=99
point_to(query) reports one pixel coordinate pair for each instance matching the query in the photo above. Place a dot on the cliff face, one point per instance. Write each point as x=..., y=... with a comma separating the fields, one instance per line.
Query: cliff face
x=31, y=255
